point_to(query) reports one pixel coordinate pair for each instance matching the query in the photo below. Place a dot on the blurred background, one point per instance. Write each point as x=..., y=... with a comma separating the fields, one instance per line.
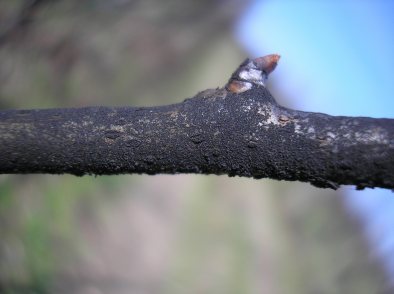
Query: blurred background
x=189, y=233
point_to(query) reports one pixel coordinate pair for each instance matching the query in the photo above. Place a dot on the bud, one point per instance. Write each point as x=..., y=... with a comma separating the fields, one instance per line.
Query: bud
x=252, y=72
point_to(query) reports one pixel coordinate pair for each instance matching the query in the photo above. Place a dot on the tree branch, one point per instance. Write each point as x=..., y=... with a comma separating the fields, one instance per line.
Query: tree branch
x=216, y=132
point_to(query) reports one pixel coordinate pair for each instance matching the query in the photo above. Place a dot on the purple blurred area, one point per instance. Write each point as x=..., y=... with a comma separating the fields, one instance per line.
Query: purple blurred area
x=186, y=233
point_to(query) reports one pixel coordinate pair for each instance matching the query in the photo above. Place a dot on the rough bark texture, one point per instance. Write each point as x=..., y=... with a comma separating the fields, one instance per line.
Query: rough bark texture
x=215, y=132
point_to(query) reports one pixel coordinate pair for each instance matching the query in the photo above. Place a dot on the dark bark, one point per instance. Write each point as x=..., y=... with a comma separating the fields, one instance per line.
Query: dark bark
x=215, y=132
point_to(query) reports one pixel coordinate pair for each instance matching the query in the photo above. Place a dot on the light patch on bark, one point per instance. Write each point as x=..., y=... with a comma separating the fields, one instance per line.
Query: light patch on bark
x=376, y=135
x=270, y=115
x=70, y=124
x=117, y=128
x=297, y=128
x=87, y=123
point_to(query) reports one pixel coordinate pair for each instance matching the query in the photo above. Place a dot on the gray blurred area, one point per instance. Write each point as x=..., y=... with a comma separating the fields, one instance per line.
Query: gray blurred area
x=156, y=234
